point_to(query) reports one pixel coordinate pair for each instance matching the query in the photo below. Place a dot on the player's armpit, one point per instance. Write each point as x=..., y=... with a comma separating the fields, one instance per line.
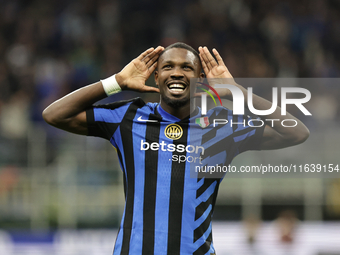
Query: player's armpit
x=272, y=139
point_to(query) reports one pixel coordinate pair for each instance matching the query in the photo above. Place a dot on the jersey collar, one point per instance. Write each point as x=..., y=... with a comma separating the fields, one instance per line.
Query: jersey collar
x=168, y=117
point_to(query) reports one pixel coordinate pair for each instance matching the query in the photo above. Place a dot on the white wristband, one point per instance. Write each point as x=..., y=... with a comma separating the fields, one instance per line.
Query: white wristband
x=111, y=85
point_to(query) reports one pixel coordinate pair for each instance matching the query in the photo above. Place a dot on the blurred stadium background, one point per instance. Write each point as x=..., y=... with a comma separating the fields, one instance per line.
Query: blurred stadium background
x=63, y=194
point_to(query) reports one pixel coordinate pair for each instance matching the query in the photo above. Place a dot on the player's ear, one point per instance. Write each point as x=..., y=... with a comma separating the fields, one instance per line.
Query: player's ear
x=156, y=77
x=202, y=75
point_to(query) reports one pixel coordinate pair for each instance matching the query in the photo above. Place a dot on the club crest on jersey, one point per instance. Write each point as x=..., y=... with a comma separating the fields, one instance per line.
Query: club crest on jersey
x=203, y=122
x=173, y=131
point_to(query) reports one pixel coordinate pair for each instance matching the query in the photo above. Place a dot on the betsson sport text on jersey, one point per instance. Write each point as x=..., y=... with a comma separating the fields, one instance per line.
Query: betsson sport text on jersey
x=175, y=148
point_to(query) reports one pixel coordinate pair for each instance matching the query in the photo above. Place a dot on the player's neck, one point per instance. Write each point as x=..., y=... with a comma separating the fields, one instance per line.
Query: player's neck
x=179, y=112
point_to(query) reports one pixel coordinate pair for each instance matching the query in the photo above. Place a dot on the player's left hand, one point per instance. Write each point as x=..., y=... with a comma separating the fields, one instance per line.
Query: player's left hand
x=211, y=67
x=216, y=71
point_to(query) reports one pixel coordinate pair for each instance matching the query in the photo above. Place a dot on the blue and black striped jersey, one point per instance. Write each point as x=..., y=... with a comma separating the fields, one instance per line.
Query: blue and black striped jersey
x=168, y=205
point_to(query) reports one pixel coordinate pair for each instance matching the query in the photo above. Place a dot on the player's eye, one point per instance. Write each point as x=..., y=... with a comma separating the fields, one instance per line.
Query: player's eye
x=187, y=68
x=167, y=67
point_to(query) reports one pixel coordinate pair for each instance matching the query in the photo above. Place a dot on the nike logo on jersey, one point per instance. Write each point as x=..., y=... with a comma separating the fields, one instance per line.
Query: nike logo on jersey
x=140, y=119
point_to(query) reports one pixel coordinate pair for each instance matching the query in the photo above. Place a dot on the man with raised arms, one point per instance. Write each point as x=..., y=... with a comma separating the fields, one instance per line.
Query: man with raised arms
x=167, y=211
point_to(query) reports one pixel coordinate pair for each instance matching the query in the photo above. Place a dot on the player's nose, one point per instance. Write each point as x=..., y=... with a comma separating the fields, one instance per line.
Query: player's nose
x=177, y=73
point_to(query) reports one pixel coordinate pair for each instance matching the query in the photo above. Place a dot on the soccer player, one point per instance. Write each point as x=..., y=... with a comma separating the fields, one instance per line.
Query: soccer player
x=167, y=211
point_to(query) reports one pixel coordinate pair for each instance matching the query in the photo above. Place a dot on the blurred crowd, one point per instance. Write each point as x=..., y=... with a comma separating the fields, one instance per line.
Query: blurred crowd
x=50, y=48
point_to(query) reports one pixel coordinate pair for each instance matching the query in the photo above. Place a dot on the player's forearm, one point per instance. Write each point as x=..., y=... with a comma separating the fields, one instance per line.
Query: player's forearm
x=73, y=104
x=293, y=134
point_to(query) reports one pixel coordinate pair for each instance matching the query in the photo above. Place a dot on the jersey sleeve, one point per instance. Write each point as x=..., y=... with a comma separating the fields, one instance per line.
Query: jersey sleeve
x=103, y=120
x=249, y=133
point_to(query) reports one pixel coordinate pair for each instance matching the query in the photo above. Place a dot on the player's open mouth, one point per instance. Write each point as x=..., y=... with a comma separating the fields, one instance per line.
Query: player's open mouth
x=177, y=87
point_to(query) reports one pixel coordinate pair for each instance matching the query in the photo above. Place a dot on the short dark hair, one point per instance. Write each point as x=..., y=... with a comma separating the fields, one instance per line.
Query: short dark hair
x=181, y=45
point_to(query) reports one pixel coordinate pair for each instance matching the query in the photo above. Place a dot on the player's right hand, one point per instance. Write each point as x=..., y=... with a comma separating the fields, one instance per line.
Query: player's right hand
x=134, y=74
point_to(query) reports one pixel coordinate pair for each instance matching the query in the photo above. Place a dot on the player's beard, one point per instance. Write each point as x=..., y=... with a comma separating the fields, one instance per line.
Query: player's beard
x=175, y=103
